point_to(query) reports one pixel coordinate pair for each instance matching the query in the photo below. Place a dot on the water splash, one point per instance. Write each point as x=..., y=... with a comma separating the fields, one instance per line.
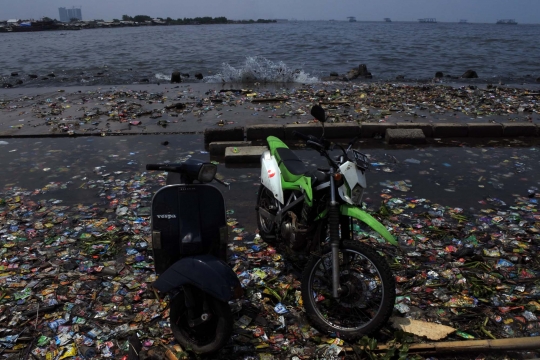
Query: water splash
x=260, y=69
x=161, y=76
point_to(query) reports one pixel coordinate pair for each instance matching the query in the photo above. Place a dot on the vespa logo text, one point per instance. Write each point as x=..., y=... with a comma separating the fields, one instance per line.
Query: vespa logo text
x=167, y=216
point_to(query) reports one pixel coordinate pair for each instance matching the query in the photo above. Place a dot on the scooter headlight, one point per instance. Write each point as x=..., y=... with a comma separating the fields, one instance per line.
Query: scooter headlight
x=356, y=195
x=207, y=172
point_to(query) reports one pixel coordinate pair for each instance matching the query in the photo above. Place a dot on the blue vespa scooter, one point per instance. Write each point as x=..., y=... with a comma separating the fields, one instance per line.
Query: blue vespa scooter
x=189, y=242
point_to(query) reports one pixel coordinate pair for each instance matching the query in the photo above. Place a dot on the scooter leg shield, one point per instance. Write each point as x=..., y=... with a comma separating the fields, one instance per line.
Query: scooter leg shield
x=205, y=272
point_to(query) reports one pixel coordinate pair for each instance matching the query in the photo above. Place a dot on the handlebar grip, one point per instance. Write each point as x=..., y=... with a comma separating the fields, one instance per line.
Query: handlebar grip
x=153, y=166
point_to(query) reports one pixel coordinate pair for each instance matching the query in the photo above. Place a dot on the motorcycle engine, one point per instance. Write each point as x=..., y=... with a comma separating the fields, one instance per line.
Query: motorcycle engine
x=294, y=233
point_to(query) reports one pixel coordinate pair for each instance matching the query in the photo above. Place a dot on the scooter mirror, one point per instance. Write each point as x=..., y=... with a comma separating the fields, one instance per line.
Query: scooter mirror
x=207, y=172
x=318, y=113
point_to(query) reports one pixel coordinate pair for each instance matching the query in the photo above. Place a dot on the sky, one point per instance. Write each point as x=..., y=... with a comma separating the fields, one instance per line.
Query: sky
x=487, y=11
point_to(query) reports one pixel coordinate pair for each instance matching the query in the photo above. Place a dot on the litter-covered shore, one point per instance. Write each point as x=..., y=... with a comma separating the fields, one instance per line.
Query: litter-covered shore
x=74, y=222
x=185, y=108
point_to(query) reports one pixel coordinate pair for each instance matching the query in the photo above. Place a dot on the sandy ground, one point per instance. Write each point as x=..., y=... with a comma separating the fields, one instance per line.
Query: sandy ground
x=190, y=108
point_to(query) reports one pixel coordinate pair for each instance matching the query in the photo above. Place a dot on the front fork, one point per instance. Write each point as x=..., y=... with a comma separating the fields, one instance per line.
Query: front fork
x=333, y=227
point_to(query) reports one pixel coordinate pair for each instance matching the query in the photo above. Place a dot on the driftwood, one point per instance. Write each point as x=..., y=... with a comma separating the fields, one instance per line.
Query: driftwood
x=262, y=100
x=516, y=344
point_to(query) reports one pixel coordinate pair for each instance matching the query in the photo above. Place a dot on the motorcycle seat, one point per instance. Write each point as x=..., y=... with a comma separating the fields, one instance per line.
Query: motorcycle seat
x=291, y=162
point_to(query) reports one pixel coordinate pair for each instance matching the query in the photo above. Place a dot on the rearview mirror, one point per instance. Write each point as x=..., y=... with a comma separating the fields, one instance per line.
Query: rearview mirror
x=318, y=113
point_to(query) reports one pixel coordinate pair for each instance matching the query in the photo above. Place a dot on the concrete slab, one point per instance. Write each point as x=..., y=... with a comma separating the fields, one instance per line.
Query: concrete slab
x=244, y=155
x=261, y=132
x=341, y=130
x=369, y=130
x=405, y=136
x=306, y=129
x=427, y=128
x=519, y=129
x=446, y=130
x=223, y=134
x=485, y=130
x=218, y=147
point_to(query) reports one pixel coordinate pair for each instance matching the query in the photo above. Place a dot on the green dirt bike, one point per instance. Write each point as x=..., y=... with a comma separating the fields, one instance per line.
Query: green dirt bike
x=347, y=287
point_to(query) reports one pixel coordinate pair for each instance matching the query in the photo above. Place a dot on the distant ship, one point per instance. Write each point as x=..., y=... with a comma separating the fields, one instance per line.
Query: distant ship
x=351, y=19
x=428, y=20
x=463, y=21
x=507, y=22
x=387, y=19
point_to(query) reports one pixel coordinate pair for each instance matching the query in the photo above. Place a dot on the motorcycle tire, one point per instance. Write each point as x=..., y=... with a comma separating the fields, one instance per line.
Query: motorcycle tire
x=368, y=296
x=208, y=337
x=265, y=226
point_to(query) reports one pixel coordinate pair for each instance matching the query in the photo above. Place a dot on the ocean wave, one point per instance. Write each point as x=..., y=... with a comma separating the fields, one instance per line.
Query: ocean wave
x=260, y=69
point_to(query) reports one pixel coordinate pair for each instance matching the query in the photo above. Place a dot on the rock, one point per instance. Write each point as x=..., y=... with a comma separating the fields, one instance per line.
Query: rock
x=99, y=74
x=400, y=77
x=175, y=77
x=7, y=85
x=145, y=80
x=538, y=79
x=199, y=76
x=469, y=74
x=51, y=75
x=19, y=82
x=332, y=78
x=439, y=74
x=44, y=78
x=333, y=73
x=32, y=76
x=14, y=74
x=362, y=70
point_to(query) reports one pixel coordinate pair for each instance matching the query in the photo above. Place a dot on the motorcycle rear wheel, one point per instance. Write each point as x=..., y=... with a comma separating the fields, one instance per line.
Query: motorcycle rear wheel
x=265, y=200
x=208, y=337
x=368, y=296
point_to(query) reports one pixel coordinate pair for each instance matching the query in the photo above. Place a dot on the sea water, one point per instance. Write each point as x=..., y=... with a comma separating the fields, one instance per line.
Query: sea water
x=300, y=51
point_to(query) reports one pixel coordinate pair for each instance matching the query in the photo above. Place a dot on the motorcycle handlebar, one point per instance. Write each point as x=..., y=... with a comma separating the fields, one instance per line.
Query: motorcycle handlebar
x=304, y=137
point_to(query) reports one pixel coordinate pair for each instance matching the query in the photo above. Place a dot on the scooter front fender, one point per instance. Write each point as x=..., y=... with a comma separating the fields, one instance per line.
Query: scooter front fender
x=205, y=272
x=353, y=211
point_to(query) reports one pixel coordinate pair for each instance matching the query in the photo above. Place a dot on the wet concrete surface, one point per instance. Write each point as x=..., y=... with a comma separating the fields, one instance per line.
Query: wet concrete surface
x=451, y=173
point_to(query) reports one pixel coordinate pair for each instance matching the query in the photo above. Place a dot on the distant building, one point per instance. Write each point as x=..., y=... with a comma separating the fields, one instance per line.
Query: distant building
x=67, y=14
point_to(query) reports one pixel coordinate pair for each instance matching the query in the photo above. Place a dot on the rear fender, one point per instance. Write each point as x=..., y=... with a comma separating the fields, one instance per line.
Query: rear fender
x=205, y=272
x=354, y=212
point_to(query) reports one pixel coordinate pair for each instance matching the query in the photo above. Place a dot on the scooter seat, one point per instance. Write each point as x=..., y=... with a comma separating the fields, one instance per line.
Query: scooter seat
x=291, y=162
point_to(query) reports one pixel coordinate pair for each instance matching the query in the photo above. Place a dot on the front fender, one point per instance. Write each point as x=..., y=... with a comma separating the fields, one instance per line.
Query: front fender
x=353, y=211
x=205, y=272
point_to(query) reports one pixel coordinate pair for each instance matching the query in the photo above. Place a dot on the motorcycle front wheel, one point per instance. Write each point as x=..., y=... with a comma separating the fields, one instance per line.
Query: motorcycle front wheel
x=368, y=291
x=207, y=337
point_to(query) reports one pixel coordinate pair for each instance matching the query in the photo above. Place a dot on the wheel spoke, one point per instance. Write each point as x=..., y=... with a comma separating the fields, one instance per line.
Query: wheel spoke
x=362, y=298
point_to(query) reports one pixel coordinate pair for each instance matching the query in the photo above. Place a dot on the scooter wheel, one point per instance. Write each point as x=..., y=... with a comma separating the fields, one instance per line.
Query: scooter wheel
x=368, y=291
x=207, y=337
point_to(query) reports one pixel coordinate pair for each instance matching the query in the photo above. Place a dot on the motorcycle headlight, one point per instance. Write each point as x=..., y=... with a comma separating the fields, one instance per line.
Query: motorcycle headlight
x=356, y=195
